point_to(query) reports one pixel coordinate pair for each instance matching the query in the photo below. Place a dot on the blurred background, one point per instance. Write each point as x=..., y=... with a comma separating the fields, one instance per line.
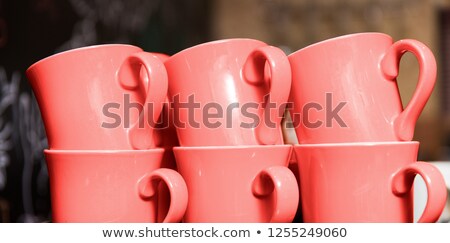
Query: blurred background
x=33, y=29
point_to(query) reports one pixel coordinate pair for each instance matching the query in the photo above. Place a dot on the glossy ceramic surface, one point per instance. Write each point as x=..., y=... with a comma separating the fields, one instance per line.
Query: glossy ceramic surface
x=113, y=186
x=229, y=73
x=366, y=182
x=238, y=184
x=73, y=90
x=166, y=136
x=165, y=131
x=358, y=71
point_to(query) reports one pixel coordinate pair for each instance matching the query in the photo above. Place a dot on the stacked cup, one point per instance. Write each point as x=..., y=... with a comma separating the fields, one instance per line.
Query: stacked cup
x=108, y=162
x=103, y=160
x=356, y=160
x=228, y=98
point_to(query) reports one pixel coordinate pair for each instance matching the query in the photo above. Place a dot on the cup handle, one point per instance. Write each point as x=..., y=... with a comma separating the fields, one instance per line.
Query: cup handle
x=141, y=135
x=148, y=187
x=402, y=183
x=279, y=86
x=405, y=122
x=280, y=181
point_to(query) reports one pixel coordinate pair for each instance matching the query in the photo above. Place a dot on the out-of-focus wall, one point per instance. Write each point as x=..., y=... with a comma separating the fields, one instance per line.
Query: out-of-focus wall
x=294, y=24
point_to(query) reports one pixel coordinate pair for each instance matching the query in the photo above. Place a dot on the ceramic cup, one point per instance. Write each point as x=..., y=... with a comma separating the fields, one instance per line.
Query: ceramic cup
x=366, y=182
x=238, y=183
x=113, y=186
x=344, y=89
x=229, y=92
x=92, y=97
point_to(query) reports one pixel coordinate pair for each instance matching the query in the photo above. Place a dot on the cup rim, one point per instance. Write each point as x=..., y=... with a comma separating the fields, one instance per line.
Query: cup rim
x=83, y=48
x=340, y=38
x=240, y=147
x=209, y=43
x=125, y=151
x=357, y=144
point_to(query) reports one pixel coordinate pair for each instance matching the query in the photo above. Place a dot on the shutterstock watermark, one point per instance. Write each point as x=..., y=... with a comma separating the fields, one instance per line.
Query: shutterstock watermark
x=331, y=114
x=213, y=115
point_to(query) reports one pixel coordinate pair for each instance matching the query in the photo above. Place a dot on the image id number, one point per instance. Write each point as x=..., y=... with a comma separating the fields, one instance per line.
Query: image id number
x=307, y=232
